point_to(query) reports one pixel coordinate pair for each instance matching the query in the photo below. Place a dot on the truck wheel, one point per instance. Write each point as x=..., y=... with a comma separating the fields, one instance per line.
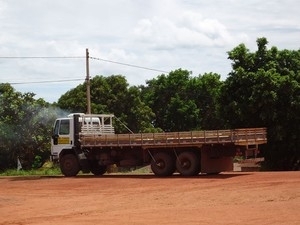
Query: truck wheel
x=96, y=169
x=188, y=164
x=163, y=164
x=69, y=165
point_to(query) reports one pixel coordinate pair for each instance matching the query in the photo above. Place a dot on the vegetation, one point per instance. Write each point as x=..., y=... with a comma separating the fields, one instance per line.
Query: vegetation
x=263, y=89
x=182, y=102
x=48, y=169
x=111, y=95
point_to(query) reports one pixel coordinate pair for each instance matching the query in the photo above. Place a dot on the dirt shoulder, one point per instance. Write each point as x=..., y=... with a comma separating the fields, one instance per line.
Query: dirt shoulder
x=228, y=198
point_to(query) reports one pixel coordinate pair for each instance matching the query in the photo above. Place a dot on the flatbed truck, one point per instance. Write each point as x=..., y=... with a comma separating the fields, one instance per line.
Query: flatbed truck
x=88, y=143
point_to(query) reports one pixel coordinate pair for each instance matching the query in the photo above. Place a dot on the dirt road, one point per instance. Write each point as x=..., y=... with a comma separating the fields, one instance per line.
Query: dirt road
x=228, y=198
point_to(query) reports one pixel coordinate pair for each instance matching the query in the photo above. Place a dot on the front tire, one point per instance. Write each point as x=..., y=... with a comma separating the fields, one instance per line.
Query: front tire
x=163, y=164
x=69, y=165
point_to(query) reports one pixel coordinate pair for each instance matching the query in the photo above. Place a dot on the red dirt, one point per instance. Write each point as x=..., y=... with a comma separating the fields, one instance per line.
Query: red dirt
x=228, y=198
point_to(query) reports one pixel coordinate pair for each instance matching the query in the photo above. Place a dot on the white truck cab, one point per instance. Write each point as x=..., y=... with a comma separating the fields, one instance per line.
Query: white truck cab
x=64, y=133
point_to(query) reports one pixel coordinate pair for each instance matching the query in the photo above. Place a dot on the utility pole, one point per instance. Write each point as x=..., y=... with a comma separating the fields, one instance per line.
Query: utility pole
x=88, y=83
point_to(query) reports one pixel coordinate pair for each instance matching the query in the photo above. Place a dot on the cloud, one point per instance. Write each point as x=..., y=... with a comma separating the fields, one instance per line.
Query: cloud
x=160, y=34
x=187, y=30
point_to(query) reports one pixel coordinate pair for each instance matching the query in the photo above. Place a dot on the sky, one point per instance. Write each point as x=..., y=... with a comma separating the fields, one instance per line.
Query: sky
x=43, y=42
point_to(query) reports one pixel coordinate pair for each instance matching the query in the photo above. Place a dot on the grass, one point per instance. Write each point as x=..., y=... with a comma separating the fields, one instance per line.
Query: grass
x=32, y=172
x=48, y=169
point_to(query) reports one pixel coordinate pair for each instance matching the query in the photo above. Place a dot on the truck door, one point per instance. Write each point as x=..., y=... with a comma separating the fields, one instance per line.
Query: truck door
x=62, y=137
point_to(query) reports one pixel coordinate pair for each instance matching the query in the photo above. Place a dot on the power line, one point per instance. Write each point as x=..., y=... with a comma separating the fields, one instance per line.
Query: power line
x=80, y=57
x=131, y=65
x=46, y=81
x=41, y=57
x=72, y=57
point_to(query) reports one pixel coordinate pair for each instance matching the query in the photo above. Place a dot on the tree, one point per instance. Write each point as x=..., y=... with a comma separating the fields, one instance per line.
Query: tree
x=263, y=89
x=166, y=96
x=111, y=95
x=205, y=90
x=73, y=100
x=140, y=116
x=182, y=102
x=25, y=127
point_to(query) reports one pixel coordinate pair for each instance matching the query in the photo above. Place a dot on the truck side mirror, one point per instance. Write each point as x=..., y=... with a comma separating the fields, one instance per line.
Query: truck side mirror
x=55, y=139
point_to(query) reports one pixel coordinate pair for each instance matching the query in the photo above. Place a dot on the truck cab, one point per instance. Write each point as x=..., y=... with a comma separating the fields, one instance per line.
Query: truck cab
x=62, y=137
x=65, y=142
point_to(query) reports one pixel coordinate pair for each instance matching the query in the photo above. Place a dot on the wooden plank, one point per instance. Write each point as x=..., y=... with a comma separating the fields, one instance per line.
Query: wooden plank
x=247, y=136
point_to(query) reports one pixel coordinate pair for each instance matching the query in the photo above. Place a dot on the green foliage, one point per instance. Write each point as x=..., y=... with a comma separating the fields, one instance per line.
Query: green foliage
x=112, y=95
x=263, y=89
x=182, y=102
x=205, y=90
x=166, y=96
x=25, y=127
x=247, y=98
x=54, y=170
x=37, y=162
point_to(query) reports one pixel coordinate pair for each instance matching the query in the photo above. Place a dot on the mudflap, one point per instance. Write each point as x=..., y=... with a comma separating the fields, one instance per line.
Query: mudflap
x=215, y=164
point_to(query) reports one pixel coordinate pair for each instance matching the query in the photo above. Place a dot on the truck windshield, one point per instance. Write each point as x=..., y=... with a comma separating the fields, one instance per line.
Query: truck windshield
x=64, y=127
x=61, y=127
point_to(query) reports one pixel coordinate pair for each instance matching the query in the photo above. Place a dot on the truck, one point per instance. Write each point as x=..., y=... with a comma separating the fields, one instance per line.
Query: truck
x=89, y=143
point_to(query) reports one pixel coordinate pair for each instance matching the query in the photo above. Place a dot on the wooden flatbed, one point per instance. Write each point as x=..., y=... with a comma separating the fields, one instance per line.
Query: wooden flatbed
x=239, y=137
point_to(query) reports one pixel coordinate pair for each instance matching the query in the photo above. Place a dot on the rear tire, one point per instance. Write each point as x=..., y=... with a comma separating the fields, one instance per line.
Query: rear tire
x=163, y=164
x=188, y=164
x=69, y=165
x=96, y=169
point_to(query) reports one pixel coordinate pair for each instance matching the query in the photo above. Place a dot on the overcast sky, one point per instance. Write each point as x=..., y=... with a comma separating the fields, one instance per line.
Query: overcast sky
x=160, y=34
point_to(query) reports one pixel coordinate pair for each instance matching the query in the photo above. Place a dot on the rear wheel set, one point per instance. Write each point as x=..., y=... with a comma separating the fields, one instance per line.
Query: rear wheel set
x=186, y=163
x=163, y=164
x=97, y=169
